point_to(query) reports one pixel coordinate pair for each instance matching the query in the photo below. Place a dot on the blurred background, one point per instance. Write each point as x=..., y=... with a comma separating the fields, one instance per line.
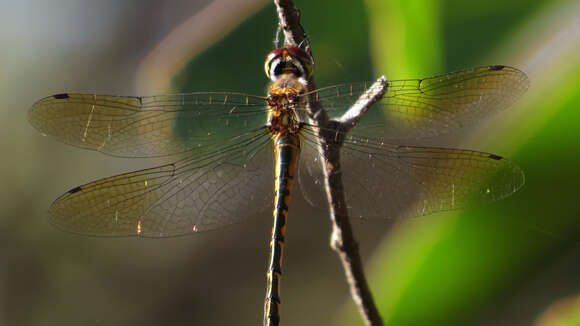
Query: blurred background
x=515, y=262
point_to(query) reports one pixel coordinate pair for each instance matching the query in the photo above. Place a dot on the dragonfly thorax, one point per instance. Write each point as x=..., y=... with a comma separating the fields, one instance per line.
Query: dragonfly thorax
x=283, y=101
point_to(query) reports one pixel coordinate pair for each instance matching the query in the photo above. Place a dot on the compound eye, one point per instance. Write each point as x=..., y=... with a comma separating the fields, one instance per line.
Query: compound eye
x=288, y=59
x=305, y=59
x=274, y=55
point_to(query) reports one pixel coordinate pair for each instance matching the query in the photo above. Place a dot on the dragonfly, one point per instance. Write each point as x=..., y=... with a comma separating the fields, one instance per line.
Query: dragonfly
x=232, y=149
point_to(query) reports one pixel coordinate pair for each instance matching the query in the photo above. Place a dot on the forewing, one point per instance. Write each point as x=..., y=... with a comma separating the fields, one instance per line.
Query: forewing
x=417, y=108
x=198, y=193
x=147, y=126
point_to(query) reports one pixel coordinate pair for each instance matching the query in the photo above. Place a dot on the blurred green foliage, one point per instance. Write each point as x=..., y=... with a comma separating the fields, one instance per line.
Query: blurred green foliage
x=236, y=62
x=480, y=254
x=494, y=249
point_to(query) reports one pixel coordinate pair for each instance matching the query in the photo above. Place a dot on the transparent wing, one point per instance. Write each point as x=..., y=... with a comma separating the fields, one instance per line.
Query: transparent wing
x=391, y=181
x=426, y=107
x=213, y=188
x=147, y=126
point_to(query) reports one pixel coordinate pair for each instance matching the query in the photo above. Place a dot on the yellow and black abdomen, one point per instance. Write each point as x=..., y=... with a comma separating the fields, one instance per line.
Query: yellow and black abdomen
x=287, y=148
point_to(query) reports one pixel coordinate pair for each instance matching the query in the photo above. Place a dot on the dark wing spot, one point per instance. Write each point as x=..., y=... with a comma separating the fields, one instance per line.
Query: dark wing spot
x=419, y=86
x=494, y=68
x=73, y=190
x=61, y=96
x=495, y=157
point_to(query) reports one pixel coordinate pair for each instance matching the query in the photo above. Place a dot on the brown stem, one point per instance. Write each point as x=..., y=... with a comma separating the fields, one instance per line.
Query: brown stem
x=289, y=20
x=342, y=239
x=343, y=242
x=351, y=117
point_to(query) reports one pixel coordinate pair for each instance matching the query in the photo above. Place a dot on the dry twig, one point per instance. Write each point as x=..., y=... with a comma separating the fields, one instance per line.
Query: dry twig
x=342, y=239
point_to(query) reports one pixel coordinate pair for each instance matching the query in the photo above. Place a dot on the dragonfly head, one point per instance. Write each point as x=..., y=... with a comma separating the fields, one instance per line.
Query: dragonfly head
x=288, y=60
